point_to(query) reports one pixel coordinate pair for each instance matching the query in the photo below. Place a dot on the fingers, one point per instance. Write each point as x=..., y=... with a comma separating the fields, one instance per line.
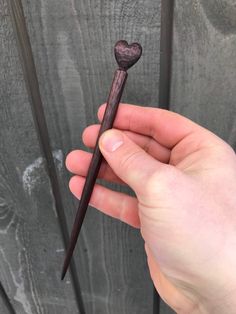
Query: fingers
x=147, y=143
x=78, y=162
x=114, y=204
x=131, y=163
x=166, y=127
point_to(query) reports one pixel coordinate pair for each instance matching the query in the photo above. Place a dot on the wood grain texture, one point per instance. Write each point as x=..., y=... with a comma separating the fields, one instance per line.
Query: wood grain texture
x=31, y=82
x=204, y=63
x=30, y=239
x=5, y=303
x=4, y=307
x=113, y=102
x=73, y=49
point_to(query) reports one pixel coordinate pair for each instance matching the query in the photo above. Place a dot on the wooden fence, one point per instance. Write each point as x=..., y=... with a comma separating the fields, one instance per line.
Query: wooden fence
x=56, y=66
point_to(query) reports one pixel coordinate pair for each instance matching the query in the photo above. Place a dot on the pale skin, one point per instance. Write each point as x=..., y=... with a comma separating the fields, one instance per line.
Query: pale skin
x=184, y=179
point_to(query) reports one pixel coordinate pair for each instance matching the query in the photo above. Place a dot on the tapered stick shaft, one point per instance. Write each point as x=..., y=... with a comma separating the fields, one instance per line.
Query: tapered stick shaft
x=126, y=56
x=107, y=123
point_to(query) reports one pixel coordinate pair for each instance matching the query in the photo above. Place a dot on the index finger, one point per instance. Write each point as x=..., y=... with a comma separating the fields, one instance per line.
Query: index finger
x=166, y=127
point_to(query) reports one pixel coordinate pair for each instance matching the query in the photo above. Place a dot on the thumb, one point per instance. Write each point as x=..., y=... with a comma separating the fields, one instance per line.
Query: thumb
x=129, y=161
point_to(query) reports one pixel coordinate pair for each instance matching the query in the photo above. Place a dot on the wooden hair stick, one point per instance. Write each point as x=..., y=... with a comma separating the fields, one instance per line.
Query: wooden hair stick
x=126, y=56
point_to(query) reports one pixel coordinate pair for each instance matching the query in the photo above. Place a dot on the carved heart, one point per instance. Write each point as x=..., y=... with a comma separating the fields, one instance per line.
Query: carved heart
x=127, y=55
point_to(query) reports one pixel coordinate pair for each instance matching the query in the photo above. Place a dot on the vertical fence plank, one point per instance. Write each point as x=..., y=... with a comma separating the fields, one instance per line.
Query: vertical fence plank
x=73, y=48
x=31, y=81
x=204, y=62
x=30, y=239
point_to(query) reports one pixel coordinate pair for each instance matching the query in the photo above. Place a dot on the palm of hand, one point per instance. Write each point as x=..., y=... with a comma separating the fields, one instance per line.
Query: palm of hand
x=182, y=204
x=193, y=208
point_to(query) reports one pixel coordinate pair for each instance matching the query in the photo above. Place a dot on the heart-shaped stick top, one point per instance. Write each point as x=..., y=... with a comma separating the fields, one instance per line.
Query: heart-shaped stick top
x=127, y=55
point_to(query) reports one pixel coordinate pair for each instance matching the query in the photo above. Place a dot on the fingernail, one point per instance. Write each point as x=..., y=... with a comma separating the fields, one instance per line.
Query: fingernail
x=111, y=140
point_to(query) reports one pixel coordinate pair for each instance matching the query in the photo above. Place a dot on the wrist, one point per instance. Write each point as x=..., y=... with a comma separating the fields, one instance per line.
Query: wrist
x=224, y=301
x=218, y=306
x=218, y=294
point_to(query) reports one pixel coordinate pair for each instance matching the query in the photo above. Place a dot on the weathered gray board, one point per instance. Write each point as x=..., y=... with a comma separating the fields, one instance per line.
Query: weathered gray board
x=72, y=44
x=204, y=64
x=30, y=239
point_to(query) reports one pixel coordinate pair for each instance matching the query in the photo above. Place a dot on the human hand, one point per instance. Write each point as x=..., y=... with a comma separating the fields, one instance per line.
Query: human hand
x=184, y=178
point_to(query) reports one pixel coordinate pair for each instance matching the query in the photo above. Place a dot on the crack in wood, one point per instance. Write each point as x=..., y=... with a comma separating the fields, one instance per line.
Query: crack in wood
x=167, y=11
x=6, y=300
x=28, y=65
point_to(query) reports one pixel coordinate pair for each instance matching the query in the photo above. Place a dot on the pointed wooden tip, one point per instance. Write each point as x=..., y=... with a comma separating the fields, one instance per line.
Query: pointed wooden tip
x=63, y=273
x=68, y=257
x=65, y=266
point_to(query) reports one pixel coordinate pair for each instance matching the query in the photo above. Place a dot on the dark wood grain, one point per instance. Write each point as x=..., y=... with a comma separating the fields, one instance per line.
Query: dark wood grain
x=30, y=237
x=73, y=82
x=126, y=56
x=95, y=164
